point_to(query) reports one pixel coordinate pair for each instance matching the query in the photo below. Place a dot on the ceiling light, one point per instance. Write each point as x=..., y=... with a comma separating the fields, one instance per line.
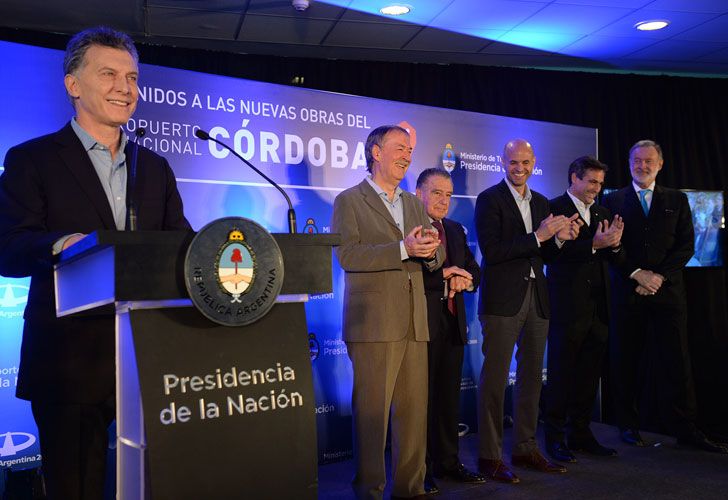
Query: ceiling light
x=395, y=10
x=300, y=5
x=651, y=25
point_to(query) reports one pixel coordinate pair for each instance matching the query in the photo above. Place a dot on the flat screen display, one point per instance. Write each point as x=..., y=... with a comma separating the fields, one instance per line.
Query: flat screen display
x=708, y=221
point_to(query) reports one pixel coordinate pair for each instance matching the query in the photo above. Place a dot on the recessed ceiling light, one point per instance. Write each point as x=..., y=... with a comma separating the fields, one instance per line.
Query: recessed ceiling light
x=651, y=25
x=397, y=9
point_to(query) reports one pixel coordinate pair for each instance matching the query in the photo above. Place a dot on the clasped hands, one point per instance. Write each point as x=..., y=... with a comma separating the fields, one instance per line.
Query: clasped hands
x=649, y=282
x=458, y=280
x=564, y=228
x=608, y=235
x=422, y=242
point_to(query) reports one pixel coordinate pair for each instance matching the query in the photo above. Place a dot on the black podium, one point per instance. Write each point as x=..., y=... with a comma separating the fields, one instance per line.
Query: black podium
x=202, y=410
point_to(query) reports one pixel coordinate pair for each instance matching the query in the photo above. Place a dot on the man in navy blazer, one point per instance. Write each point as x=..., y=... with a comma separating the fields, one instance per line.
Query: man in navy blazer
x=648, y=292
x=54, y=190
x=515, y=233
x=578, y=329
x=447, y=324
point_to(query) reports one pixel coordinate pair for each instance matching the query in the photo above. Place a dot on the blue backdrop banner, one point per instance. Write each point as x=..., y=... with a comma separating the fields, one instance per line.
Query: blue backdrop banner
x=310, y=142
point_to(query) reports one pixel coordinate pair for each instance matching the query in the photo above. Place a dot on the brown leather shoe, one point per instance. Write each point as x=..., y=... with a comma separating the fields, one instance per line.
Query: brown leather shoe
x=535, y=460
x=497, y=471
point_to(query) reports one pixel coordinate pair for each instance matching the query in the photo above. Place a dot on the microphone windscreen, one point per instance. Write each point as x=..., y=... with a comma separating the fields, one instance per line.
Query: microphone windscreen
x=201, y=134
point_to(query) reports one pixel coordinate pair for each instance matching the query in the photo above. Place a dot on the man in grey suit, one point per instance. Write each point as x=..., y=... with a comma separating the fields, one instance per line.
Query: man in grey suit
x=386, y=238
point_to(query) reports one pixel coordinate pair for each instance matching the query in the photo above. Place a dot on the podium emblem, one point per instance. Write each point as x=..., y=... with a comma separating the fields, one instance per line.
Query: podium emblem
x=233, y=271
x=235, y=266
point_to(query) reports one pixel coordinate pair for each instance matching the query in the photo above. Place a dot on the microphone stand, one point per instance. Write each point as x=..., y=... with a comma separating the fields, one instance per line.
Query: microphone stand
x=131, y=195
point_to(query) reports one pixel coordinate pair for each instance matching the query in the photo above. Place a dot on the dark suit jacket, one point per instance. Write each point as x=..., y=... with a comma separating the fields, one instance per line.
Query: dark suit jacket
x=50, y=189
x=458, y=254
x=376, y=294
x=572, y=272
x=509, y=252
x=663, y=241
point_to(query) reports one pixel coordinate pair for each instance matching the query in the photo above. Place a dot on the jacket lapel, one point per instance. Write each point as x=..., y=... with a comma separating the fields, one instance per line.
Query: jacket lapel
x=79, y=164
x=536, y=215
x=632, y=202
x=511, y=203
x=450, y=235
x=596, y=218
x=372, y=199
x=585, y=230
x=658, y=203
x=413, y=211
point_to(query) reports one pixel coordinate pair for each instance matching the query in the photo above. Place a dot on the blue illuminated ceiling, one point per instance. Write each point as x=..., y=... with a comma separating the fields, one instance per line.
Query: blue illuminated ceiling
x=588, y=34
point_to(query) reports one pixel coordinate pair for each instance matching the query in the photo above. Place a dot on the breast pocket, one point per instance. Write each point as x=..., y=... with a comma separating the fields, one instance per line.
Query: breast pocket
x=668, y=219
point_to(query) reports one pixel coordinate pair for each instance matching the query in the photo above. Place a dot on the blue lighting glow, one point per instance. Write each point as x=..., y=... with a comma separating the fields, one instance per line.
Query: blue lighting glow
x=551, y=42
x=517, y=23
x=599, y=30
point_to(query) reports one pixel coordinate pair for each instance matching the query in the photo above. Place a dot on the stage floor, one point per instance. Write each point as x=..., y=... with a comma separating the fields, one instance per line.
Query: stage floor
x=661, y=470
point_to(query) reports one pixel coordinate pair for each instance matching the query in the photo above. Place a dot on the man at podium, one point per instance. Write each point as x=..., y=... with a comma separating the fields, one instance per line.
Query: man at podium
x=55, y=189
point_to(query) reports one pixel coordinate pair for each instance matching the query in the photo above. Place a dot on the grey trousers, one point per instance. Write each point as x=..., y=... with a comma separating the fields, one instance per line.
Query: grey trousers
x=500, y=334
x=390, y=378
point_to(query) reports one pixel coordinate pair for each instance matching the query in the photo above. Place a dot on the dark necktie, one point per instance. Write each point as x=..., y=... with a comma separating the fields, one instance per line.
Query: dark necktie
x=443, y=241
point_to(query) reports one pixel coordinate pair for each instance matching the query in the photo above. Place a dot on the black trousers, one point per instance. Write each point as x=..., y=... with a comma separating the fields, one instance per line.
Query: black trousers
x=73, y=443
x=576, y=349
x=445, y=365
x=630, y=338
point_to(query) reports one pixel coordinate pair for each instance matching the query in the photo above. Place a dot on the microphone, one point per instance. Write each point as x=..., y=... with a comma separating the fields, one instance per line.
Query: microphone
x=131, y=195
x=201, y=134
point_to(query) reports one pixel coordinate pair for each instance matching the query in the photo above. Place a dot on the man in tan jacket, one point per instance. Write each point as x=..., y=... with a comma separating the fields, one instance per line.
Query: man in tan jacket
x=386, y=238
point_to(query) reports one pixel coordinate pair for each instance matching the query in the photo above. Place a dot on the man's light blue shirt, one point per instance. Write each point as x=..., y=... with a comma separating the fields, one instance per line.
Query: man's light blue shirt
x=395, y=209
x=111, y=171
x=648, y=195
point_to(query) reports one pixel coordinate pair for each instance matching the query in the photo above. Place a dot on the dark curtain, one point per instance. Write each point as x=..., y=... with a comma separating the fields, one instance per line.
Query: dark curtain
x=688, y=116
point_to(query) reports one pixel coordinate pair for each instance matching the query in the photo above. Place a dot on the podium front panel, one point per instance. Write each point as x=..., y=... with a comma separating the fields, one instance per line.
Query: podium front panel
x=227, y=410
